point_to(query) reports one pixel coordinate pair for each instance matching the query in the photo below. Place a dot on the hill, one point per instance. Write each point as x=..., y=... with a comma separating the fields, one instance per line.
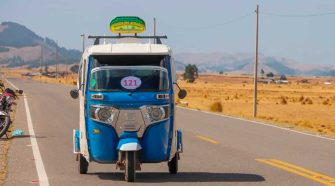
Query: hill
x=19, y=46
x=243, y=63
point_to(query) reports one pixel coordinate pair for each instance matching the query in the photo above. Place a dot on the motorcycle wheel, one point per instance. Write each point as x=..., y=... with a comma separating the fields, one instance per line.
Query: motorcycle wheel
x=4, y=125
x=130, y=172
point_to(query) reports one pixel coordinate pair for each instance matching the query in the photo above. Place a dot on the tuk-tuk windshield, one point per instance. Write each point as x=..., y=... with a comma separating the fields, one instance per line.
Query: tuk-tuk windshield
x=129, y=78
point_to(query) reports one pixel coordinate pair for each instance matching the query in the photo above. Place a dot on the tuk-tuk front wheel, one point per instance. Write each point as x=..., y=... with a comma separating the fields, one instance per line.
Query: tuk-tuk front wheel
x=130, y=167
x=83, y=164
x=173, y=165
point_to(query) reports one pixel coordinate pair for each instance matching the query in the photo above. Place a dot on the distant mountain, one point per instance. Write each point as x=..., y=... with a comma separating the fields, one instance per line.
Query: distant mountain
x=19, y=46
x=243, y=63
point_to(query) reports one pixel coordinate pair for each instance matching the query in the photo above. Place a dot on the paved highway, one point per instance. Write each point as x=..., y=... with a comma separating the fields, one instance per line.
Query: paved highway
x=218, y=150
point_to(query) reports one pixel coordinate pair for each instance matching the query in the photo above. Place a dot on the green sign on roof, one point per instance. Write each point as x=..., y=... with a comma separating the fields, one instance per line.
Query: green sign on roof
x=127, y=25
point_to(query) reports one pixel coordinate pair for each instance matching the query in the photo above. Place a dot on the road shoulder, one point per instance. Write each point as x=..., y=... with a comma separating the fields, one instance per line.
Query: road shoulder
x=21, y=167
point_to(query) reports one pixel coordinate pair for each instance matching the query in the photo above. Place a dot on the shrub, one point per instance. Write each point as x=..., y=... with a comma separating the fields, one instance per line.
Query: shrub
x=191, y=73
x=325, y=102
x=270, y=74
x=216, y=107
x=283, y=77
x=177, y=101
x=283, y=100
x=309, y=101
x=301, y=98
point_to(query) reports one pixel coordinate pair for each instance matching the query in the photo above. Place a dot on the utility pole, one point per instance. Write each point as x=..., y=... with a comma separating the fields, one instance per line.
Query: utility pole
x=41, y=60
x=66, y=73
x=154, y=29
x=66, y=68
x=83, y=37
x=57, y=60
x=256, y=65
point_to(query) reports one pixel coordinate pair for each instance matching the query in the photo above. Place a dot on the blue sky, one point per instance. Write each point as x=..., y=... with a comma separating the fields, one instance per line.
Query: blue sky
x=192, y=26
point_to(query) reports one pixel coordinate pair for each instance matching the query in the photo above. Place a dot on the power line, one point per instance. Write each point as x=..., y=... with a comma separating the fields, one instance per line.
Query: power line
x=213, y=25
x=298, y=15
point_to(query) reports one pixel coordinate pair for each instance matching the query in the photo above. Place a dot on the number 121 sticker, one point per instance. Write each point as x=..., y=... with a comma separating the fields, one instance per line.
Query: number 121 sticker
x=131, y=82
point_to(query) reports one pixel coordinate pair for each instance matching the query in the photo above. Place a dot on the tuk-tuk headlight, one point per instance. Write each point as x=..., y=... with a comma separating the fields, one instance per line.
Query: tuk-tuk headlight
x=103, y=113
x=152, y=114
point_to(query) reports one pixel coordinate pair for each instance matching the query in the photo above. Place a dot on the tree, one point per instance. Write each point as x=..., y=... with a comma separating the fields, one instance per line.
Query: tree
x=262, y=73
x=283, y=77
x=195, y=71
x=270, y=75
x=191, y=72
x=74, y=68
x=46, y=68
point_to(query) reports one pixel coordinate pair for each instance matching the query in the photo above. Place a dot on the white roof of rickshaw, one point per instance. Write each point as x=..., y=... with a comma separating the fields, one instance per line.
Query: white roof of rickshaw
x=128, y=49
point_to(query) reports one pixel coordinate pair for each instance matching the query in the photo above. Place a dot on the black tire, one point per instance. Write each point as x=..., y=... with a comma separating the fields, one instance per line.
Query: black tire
x=130, y=172
x=83, y=165
x=173, y=165
x=4, y=125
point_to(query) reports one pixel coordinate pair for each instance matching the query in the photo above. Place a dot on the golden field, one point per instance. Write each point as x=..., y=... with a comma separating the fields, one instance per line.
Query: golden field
x=304, y=106
x=68, y=79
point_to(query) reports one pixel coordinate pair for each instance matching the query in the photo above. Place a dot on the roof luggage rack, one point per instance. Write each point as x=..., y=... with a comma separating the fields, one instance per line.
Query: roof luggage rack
x=97, y=38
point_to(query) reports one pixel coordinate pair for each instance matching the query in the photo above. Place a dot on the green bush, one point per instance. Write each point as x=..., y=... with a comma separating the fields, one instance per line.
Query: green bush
x=191, y=73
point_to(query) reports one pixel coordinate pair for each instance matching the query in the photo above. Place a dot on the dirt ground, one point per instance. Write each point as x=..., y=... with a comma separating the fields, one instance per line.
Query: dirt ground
x=4, y=147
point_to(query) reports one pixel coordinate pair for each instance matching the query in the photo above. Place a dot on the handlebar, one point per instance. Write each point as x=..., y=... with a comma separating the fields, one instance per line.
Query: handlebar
x=12, y=93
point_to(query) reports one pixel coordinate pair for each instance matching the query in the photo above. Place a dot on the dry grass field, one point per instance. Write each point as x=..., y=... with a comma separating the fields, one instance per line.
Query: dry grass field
x=306, y=106
x=4, y=147
x=306, y=103
x=68, y=79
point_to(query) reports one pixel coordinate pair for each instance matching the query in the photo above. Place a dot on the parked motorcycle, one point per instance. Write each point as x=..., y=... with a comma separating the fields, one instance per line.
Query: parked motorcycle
x=7, y=99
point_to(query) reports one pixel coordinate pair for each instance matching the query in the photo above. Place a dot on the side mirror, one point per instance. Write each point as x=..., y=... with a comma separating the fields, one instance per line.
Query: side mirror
x=182, y=94
x=74, y=93
x=20, y=92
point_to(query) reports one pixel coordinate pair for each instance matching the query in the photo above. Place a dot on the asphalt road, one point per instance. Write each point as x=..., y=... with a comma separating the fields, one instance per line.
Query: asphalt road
x=218, y=150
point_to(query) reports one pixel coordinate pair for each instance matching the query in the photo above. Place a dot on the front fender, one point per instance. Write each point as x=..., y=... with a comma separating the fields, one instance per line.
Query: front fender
x=129, y=144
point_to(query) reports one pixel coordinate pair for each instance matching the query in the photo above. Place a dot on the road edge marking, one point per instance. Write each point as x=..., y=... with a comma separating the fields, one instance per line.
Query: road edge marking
x=207, y=139
x=257, y=122
x=42, y=175
x=295, y=171
x=11, y=84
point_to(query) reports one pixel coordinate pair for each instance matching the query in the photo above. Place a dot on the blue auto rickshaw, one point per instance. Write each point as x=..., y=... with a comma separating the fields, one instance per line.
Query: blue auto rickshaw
x=127, y=93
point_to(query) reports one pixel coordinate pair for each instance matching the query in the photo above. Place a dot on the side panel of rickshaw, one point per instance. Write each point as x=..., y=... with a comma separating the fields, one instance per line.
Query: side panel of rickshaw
x=158, y=143
x=82, y=77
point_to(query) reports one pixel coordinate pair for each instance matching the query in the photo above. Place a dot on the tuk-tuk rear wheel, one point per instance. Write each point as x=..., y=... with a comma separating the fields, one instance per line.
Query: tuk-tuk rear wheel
x=83, y=164
x=173, y=164
x=130, y=173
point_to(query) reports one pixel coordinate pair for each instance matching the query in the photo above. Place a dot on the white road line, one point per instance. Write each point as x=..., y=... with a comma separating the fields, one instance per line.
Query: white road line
x=257, y=122
x=42, y=175
x=11, y=84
